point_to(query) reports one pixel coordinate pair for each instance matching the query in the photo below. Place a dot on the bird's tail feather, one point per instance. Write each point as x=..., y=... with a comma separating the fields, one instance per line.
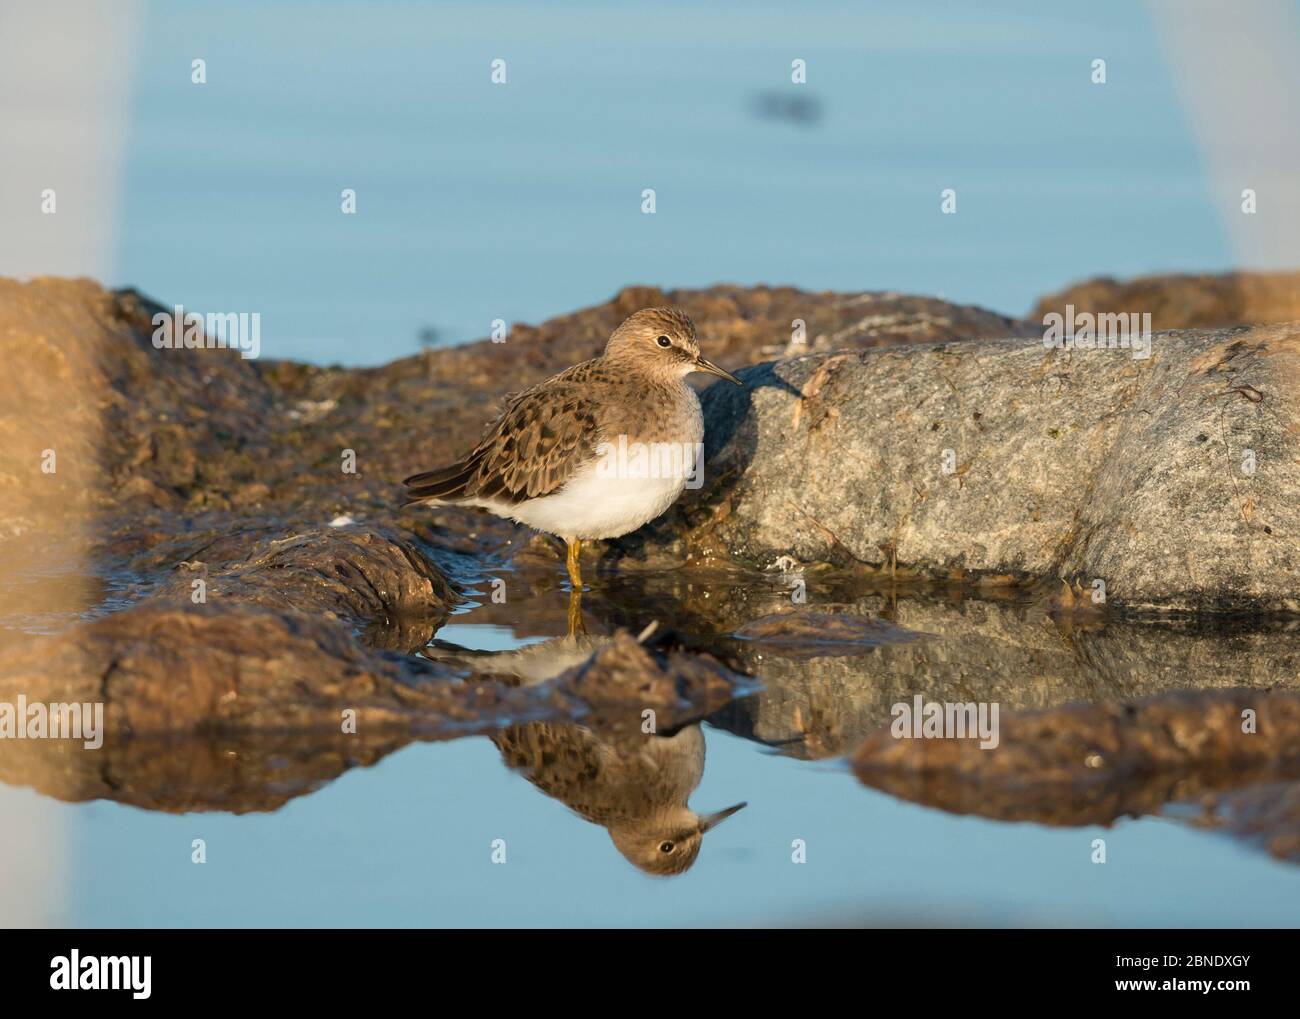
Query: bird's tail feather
x=447, y=483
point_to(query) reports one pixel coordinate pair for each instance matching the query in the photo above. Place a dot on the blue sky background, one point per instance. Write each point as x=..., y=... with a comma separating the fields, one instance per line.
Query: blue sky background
x=520, y=201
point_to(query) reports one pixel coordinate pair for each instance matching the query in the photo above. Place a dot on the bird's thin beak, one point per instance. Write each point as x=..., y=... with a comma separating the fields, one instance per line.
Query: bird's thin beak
x=705, y=365
x=713, y=820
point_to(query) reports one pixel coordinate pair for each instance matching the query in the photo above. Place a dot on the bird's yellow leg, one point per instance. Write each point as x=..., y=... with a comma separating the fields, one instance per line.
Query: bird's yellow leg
x=574, y=565
x=575, y=587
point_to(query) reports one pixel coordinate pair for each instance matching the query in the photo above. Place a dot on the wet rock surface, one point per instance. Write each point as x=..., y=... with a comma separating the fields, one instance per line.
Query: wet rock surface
x=376, y=580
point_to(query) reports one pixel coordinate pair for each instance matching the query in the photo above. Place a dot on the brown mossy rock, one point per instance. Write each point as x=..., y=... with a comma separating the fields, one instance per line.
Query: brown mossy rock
x=367, y=577
x=1183, y=301
x=123, y=418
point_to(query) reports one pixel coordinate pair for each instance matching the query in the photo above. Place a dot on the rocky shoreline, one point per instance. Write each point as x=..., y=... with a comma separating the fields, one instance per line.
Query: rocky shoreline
x=914, y=465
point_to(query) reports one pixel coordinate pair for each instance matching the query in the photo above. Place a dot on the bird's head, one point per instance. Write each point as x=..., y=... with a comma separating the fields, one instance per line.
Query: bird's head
x=670, y=843
x=662, y=341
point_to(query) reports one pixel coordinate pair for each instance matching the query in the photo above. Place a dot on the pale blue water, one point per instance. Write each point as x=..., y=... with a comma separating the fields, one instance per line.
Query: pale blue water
x=521, y=201
x=407, y=842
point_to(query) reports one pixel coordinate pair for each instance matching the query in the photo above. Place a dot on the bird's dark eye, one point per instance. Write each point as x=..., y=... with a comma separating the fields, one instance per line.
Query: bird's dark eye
x=664, y=341
x=665, y=847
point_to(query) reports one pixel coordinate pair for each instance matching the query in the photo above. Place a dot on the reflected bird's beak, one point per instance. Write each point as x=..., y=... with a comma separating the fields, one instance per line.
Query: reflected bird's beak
x=703, y=364
x=713, y=820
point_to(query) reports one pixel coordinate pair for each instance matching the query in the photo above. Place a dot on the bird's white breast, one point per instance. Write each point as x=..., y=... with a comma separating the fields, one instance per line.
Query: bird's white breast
x=617, y=492
x=592, y=506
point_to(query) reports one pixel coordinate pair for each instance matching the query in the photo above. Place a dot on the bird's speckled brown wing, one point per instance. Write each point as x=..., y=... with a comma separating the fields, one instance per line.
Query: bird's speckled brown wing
x=545, y=435
x=569, y=764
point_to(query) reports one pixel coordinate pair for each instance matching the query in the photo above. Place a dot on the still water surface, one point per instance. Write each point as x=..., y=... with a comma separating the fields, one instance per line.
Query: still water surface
x=408, y=842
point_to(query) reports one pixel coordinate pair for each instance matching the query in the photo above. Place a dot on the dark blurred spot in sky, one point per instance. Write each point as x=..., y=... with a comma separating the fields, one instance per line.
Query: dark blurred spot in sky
x=804, y=110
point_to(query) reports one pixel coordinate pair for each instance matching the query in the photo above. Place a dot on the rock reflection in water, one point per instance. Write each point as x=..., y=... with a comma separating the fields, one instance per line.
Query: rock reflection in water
x=1212, y=758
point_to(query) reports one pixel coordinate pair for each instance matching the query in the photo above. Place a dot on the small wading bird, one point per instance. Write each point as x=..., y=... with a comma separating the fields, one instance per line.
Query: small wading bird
x=539, y=462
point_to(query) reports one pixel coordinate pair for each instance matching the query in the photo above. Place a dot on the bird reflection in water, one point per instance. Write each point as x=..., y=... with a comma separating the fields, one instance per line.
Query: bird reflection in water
x=635, y=785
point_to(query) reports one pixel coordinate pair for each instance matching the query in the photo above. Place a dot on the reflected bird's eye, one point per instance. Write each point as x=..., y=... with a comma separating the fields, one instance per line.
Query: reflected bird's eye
x=665, y=847
x=664, y=341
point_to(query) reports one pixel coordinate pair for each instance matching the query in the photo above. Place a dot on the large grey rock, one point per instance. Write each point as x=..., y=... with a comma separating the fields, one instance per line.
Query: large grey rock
x=1090, y=465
